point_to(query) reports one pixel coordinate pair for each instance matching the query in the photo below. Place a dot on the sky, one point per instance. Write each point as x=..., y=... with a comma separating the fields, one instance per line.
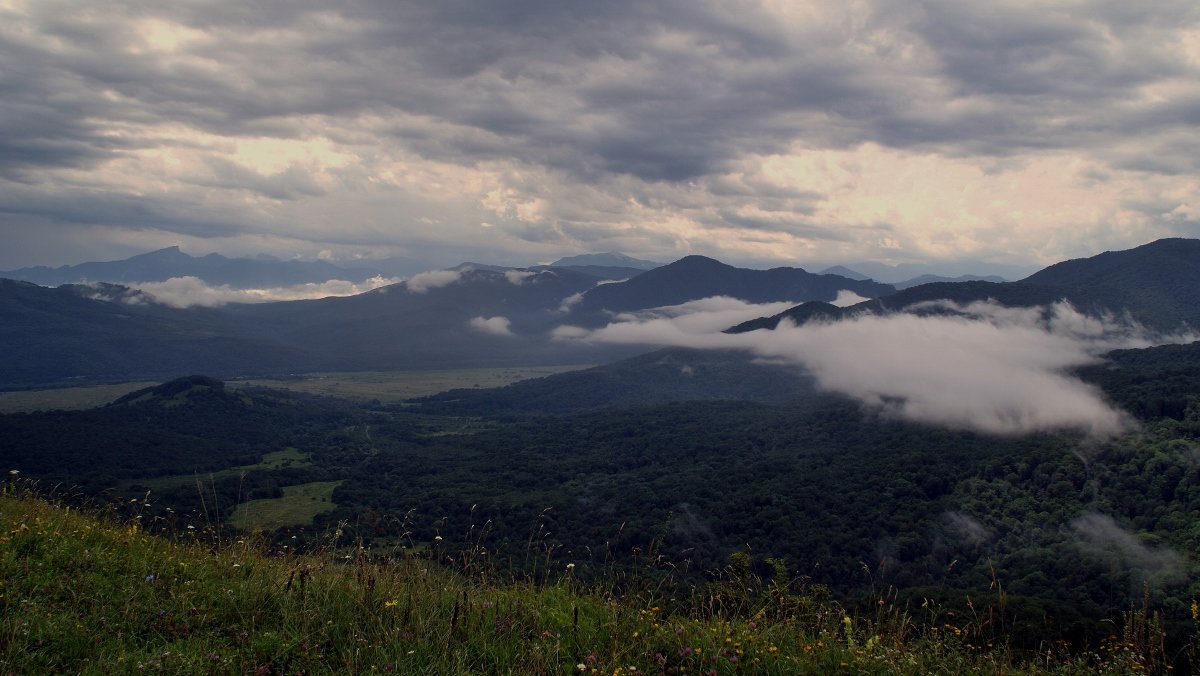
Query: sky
x=760, y=133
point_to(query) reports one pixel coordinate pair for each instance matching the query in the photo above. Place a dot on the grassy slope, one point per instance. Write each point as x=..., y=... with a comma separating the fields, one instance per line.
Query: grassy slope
x=83, y=593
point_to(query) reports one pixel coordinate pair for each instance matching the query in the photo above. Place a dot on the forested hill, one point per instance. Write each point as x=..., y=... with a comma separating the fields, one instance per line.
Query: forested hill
x=1153, y=284
x=695, y=277
x=663, y=376
x=181, y=427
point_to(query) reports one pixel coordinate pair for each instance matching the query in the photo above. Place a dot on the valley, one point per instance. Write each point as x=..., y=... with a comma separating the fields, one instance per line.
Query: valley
x=1053, y=490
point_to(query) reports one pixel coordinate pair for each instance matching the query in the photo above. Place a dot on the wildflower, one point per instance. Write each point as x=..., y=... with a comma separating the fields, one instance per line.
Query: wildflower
x=437, y=538
x=14, y=472
x=581, y=666
x=570, y=566
x=389, y=604
x=150, y=577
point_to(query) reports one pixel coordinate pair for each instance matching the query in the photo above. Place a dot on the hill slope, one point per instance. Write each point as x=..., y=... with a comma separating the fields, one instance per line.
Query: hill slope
x=187, y=607
x=696, y=277
x=1153, y=284
x=164, y=264
x=670, y=375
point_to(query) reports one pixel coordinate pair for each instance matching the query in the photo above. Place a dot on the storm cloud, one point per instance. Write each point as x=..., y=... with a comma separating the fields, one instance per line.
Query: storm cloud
x=756, y=133
x=980, y=366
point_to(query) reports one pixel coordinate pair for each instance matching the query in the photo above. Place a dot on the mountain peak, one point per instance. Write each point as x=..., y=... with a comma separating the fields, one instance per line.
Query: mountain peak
x=609, y=259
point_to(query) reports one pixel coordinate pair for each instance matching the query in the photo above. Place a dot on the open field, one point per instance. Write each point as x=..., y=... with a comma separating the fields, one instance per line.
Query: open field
x=66, y=398
x=288, y=457
x=297, y=507
x=392, y=386
x=386, y=386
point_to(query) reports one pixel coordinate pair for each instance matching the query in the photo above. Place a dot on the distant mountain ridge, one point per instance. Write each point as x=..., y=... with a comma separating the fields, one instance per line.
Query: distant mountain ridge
x=1154, y=284
x=474, y=317
x=611, y=259
x=932, y=279
x=903, y=272
x=695, y=277
x=164, y=264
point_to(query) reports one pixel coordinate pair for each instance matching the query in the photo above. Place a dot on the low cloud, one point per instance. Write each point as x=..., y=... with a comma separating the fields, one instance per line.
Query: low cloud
x=185, y=292
x=495, y=325
x=980, y=366
x=697, y=323
x=433, y=279
x=1101, y=536
x=846, y=298
x=967, y=529
x=570, y=302
x=518, y=277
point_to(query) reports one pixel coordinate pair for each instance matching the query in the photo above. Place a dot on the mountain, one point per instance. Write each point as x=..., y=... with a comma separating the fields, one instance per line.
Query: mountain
x=448, y=319
x=663, y=376
x=453, y=319
x=843, y=271
x=892, y=274
x=931, y=279
x=611, y=259
x=157, y=266
x=696, y=277
x=602, y=272
x=1153, y=284
x=111, y=333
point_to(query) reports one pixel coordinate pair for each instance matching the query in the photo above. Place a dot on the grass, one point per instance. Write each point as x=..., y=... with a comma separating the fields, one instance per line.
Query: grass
x=66, y=398
x=395, y=386
x=90, y=593
x=386, y=386
x=297, y=507
x=288, y=457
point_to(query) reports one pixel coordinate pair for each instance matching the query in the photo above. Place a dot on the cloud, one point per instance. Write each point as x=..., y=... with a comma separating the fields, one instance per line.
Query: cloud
x=846, y=298
x=518, y=277
x=1101, y=536
x=766, y=131
x=570, y=302
x=981, y=366
x=495, y=325
x=967, y=529
x=184, y=292
x=433, y=279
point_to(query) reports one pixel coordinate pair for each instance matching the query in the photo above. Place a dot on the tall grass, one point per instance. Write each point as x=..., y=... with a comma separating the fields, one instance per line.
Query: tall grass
x=92, y=593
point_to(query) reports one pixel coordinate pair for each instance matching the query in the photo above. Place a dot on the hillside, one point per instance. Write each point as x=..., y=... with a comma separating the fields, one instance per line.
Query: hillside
x=1153, y=284
x=181, y=427
x=108, y=332
x=1076, y=529
x=696, y=277
x=663, y=376
x=181, y=604
x=51, y=335
x=157, y=266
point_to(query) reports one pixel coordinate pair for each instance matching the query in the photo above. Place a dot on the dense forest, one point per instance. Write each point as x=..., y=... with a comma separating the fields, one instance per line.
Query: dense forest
x=1055, y=533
